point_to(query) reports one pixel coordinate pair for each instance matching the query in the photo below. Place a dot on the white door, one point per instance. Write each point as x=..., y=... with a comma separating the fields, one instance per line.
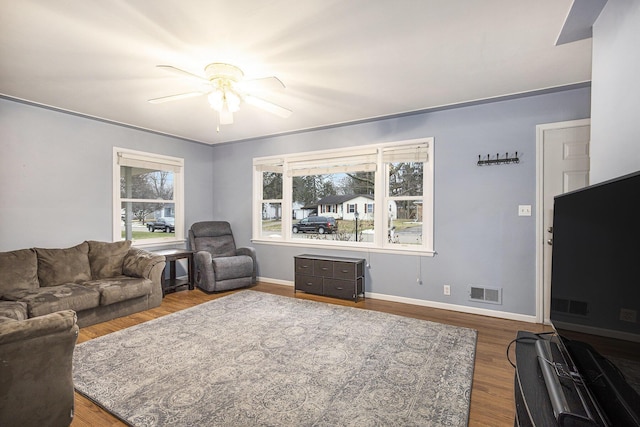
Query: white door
x=563, y=151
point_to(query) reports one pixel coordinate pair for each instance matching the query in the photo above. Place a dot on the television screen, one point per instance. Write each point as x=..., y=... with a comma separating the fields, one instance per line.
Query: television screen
x=595, y=289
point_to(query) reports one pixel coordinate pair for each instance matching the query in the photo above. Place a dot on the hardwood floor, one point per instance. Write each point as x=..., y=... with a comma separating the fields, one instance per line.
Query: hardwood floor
x=492, y=393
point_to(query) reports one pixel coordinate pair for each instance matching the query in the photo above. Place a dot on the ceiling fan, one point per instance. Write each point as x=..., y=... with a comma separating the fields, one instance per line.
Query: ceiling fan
x=226, y=90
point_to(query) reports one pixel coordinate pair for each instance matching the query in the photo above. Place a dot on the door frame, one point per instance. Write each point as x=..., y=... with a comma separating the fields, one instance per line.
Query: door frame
x=543, y=300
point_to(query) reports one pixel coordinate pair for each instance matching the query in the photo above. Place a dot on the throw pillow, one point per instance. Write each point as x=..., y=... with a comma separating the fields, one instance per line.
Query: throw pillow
x=106, y=259
x=18, y=270
x=58, y=266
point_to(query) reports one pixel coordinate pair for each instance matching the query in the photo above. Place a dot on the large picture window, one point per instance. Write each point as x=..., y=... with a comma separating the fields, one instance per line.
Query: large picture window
x=148, y=202
x=330, y=197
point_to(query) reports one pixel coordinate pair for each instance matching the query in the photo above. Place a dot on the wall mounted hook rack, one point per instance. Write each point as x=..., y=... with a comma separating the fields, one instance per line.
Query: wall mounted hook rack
x=498, y=161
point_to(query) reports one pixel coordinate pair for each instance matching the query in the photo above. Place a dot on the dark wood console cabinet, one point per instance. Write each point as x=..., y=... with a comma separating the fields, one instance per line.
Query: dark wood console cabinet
x=330, y=276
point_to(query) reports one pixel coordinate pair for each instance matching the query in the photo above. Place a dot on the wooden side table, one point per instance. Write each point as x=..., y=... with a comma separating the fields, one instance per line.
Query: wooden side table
x=172, y=283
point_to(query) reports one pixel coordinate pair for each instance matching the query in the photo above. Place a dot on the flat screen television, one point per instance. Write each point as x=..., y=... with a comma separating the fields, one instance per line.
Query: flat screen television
x=595, y=294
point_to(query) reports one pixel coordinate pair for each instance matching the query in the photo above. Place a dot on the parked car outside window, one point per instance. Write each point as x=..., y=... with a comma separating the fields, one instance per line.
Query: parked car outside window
x=165, y=224
x=315, y=224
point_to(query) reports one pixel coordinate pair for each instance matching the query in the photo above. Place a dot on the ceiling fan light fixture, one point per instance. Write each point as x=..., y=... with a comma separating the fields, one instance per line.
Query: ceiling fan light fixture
x=216, y=100
x=225, y=102
x=226, y=90
x=232, y=100
x=224, y=71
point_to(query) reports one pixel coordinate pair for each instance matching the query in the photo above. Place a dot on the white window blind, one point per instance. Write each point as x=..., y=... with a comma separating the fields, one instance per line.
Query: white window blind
x=406, y=153
x=364, y=161
x=269, y=165
x=149, y=162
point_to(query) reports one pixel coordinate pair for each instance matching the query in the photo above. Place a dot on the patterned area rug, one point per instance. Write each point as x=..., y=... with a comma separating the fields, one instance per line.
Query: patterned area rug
x=256, y=359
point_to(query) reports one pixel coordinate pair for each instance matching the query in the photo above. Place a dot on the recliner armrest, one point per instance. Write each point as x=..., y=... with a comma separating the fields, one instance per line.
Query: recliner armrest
x=249, y=251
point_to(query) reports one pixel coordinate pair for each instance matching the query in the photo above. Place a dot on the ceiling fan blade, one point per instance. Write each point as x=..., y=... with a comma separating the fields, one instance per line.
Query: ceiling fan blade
x=264, y=83
x=175, y=70
x=175, y=97
x=267, y=106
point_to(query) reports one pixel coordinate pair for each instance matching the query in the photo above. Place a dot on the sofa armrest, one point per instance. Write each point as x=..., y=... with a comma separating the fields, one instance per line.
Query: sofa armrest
x=249, y=251
x=145, y=264
x=20, y=330
x=141, y=263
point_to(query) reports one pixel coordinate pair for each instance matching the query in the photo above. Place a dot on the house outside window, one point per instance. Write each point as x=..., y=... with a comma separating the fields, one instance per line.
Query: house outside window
x=148, y=198
x=345, y=185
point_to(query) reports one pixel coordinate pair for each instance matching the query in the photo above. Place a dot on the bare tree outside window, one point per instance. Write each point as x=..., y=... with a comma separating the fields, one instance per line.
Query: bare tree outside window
x=147, y=195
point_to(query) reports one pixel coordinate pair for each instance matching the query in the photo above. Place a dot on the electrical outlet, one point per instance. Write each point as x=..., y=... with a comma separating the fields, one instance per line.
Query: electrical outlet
x=524, y=210
x=627, y=315
x=447, y=290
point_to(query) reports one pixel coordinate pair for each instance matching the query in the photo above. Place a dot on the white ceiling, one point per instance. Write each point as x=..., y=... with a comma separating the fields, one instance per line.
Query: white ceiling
x=341, y=61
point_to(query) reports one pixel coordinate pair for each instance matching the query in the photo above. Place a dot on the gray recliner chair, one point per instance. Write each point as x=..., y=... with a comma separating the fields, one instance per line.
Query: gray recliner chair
x=220, y=266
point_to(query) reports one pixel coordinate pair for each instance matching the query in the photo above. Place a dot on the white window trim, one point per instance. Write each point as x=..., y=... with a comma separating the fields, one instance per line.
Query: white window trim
x=314, y=161
x=174, y=164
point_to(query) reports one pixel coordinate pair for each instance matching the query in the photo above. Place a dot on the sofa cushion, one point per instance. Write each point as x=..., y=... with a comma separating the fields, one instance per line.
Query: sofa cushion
x=58, y=266
x=14, y=310
x=69, y=296
x=119, y=289
x=19, y=270
x=106, y=258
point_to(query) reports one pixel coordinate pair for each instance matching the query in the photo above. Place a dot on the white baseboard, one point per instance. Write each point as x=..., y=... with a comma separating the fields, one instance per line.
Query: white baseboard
x=432, y=304
x=275, y=281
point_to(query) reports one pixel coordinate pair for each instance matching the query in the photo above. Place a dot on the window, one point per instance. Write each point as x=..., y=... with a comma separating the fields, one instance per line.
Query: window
x=404, y=173
x=269, y=180
x=332, y=196
x=148, y=197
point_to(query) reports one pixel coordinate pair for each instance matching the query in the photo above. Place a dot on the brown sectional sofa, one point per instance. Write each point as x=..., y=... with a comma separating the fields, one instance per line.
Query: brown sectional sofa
x=45, y=295
x=98, y=280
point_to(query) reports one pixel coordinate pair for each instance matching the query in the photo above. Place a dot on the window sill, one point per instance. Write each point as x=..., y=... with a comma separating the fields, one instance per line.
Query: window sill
x=405, y=250
x=174, y=243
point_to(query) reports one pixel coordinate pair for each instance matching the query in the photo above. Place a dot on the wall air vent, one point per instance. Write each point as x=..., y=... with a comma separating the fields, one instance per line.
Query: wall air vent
x=488, y=295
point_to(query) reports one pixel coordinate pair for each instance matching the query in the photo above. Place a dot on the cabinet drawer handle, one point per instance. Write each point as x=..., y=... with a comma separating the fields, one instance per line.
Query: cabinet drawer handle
x=309, y=283
x=345, y=271
x=339, y=288
x=324, y=268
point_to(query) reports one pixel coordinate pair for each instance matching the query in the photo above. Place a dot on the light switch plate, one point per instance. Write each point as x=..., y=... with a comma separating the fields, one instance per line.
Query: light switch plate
x=524, y=210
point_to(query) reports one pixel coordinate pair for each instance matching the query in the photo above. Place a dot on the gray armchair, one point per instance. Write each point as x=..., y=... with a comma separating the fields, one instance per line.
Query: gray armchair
x=220, y=266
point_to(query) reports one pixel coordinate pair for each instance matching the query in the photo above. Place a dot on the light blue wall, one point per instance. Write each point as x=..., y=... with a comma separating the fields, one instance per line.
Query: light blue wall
x=615, y=128
x=479, y=237
x=55, y=188
x=56, y=175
